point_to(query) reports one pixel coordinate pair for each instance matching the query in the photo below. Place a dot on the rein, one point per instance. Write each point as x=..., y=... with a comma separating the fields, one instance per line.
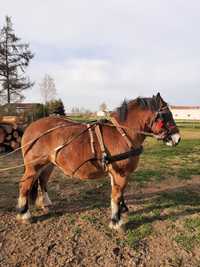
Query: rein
x=71, y=125
x=106, y=158
x=31, y=142
x=116, y=124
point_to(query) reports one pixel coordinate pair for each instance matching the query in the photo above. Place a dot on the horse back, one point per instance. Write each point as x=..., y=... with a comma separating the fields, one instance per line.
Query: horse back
x=43, y=135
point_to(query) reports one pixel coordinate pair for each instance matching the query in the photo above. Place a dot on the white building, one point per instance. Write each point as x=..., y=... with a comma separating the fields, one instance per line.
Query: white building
x=185, y=112
x=101, y=113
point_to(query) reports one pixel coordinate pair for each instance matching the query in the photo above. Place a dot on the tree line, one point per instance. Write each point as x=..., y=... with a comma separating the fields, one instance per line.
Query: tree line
x=15, y=57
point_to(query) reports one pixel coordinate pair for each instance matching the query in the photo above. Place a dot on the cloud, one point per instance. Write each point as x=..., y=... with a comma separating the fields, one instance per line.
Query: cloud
x=107, y=50
x=87, y=83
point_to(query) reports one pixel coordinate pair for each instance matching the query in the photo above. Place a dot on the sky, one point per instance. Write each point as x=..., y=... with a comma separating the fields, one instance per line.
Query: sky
x=108, y=50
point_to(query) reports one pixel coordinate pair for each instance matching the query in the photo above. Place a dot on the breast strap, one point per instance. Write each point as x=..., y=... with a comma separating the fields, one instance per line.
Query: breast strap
x=106, y=158
x=122, y=132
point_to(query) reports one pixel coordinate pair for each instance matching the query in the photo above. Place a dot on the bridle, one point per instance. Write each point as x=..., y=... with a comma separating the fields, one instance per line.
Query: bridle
x=164, y=121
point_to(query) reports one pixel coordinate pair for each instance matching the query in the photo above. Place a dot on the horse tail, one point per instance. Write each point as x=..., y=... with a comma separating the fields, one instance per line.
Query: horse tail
x=34, y=192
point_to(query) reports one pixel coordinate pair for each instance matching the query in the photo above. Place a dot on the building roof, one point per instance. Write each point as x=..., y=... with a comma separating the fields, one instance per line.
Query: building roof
x=185, y=107
x=22, y=105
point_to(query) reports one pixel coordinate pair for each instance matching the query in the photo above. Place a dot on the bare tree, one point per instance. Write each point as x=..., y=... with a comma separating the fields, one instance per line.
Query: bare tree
x=103, y=106
x=14, y=59
x=75, y=110
x=48, y=88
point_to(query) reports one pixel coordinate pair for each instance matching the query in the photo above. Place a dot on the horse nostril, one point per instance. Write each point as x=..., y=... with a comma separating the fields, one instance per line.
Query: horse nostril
x=178, y=141
x=175, y=138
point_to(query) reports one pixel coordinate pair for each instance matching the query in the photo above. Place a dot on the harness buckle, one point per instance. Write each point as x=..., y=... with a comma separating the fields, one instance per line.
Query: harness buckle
x=105, y=159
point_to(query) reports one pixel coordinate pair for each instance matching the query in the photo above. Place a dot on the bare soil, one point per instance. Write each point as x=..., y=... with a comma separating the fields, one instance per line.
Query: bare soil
x=76, y=231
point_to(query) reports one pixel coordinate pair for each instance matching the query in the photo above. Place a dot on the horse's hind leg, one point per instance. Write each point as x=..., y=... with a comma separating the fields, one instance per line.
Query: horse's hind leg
x=26, y=183
x=43, y=201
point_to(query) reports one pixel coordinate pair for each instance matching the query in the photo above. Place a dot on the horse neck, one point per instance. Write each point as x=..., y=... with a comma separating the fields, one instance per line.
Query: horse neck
x=135, y=122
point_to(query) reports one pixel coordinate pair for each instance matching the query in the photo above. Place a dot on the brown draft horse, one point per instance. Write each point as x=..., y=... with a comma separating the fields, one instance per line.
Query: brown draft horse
x=150, y=115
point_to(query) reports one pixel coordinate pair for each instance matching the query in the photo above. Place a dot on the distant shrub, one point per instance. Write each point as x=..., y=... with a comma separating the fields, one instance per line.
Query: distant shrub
x=55, y=107
x=38, y=111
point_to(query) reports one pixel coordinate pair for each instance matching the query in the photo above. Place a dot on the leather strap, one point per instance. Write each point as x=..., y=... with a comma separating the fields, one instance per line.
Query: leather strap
x=91, y=138
x=100, y=138
x=121, y=131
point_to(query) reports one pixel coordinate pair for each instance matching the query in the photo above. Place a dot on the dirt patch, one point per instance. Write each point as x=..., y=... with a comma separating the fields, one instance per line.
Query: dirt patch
x=76, y=232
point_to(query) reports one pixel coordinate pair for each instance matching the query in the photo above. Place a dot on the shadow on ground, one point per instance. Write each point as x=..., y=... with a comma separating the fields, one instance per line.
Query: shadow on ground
x=71, y=196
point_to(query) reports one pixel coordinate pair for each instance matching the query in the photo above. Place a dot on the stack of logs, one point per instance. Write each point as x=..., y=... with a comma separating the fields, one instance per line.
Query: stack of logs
x=11, y=131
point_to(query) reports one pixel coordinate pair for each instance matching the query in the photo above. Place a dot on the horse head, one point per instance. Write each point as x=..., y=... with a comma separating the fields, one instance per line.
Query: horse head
x=162, y=123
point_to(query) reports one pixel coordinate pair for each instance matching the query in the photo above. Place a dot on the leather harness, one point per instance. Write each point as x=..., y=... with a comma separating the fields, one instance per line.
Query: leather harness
x=107, y=159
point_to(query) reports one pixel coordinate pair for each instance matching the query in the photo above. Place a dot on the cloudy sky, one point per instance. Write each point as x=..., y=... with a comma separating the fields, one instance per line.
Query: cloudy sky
x=111, y=49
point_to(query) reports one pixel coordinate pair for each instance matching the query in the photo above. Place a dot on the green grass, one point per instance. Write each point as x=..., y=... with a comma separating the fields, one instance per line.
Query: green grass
x=84, y=118
x=71, y=219
x=135, y=236
x=190, y=235
x=185, y=241
x=188, y=124
x=180, y=199
x=168, y=206
x=160, y=162
x=89, y=218
x=77, y=231
x=192, y=224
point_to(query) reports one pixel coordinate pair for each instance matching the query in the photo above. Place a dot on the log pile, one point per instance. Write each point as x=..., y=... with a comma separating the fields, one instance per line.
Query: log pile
x=11, y=131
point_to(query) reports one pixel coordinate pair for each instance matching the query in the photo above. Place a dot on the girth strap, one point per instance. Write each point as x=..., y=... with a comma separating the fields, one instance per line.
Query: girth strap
x=131, y=153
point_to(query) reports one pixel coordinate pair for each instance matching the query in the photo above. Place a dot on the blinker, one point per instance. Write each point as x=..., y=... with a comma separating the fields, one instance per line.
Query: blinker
x=160, y=124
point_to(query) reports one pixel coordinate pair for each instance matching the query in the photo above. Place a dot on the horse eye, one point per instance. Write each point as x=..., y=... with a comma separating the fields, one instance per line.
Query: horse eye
x=161, y=116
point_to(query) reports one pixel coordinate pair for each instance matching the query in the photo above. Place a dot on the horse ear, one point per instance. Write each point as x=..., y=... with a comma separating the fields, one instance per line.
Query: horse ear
x=158, y=96
x=122, y=111
x=160, y=100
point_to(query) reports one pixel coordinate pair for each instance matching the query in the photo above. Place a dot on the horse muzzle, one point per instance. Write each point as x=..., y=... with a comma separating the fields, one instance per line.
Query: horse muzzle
x=173, y=139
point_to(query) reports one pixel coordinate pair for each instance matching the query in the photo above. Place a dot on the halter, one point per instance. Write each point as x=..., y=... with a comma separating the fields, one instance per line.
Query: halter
x=161, y=122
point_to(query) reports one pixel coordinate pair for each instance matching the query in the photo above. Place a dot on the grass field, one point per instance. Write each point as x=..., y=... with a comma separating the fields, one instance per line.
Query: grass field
x=188, y=124
x=163, y=226
x=166, y=167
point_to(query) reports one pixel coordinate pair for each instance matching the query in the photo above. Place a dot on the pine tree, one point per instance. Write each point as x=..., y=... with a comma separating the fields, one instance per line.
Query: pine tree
x=14, y=59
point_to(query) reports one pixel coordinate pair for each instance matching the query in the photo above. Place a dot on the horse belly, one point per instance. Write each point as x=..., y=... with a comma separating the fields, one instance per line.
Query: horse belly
x=81, y=169
x=89, y=171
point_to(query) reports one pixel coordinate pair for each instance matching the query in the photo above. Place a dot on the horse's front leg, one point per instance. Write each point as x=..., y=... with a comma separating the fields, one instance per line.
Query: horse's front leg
x=123, y=206
x=118, y=184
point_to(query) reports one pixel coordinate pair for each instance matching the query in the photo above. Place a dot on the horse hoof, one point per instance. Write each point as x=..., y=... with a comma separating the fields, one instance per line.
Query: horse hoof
x=46, y=210
x=39, y=202
x=22, y=220
x=119, y=226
